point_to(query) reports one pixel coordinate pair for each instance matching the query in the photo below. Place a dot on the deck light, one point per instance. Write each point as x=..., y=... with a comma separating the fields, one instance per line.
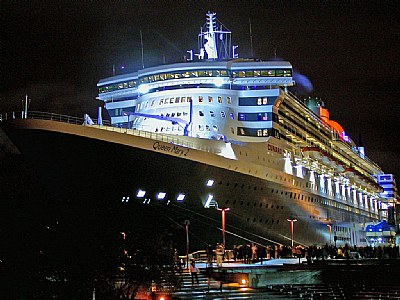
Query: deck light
x=161, y=195
x=210, y=182
x=180, y=197
x=207, y=204
x=143, y=89
x=140, y=193
x=218, y=81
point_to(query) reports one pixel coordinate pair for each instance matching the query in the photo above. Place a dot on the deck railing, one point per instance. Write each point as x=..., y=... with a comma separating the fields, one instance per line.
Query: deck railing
x=172, y=139
x=38, y=115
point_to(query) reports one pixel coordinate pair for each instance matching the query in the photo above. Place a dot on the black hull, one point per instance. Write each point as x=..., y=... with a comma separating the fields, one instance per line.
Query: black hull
x=95, y=175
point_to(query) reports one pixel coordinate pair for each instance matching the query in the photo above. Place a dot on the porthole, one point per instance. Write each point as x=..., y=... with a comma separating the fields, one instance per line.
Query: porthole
x=272, y=191
x=248, y=203
x=266, y=221
x=255, y=188
x=234, y=201
x=241, y=202
x=254, y=204
x=254, y=220
x=277, y=221
x=248, y=219
x=266, y=205
x=227, y=201
x=260, y=220
x=260, y=205
x=272, y=206
x=236, y=184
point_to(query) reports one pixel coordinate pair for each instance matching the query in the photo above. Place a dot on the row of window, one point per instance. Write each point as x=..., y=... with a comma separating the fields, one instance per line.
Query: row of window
x=195, y=74
x=216, y=73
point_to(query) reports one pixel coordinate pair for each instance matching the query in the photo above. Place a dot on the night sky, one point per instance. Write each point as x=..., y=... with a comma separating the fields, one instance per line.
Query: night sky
x=56, y=51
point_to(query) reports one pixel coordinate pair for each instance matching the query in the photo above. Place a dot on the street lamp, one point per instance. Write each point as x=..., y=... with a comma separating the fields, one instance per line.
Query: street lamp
x=223, y=214
x=187, y=222
x=330, y=233
x=292, y=220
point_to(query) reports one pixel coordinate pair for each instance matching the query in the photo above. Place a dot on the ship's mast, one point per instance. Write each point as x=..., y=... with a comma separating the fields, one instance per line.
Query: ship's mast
x=214, y=41
x=211, y=46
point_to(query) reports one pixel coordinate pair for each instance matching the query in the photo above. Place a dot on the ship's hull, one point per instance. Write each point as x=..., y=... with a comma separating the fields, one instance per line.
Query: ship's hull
x=90, y=170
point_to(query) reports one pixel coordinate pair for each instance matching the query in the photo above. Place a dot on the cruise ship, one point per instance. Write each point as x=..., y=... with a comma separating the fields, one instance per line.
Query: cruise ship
x=217, y=143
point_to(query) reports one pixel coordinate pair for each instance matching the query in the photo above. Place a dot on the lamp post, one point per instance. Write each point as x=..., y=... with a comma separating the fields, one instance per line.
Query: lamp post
x=330, y=233
x=187, y=222
x=223, y=214
x=292, y=220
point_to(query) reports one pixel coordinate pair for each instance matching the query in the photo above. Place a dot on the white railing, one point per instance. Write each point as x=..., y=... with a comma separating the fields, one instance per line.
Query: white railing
x=106, y=126
x=38, y=115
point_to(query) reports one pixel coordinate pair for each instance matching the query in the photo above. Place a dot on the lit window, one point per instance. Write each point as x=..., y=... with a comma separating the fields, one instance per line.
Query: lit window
x=210, y=182
x=183, y=99
x=210, y=99
x=200, y=98
x=259, y=101
x=189, y=99
x=219, y=99
x=180, y=197
x=161, y=195
x=140, y=193
x=265, y=101
x=229, y=100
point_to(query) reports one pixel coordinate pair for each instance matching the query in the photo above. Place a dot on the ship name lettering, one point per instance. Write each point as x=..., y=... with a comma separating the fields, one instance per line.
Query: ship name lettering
x=173, y=149
x=275, y=149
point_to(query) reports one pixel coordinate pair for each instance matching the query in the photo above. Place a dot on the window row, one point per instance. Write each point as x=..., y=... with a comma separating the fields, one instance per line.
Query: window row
x=195, y=74
x=212, y=114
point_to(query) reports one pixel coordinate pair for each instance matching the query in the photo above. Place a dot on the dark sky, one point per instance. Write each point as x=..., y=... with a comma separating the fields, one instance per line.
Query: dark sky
x=56, y=51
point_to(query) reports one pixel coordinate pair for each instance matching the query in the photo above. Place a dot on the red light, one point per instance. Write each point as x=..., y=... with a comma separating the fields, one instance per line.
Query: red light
x=161, y=298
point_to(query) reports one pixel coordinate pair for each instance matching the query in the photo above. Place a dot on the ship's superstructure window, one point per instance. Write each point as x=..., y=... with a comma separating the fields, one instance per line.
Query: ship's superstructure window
x=210, y=99
x=256, y=101
x=245, y=131
x=255, y=117
x=229, y=100
x=200, y=99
